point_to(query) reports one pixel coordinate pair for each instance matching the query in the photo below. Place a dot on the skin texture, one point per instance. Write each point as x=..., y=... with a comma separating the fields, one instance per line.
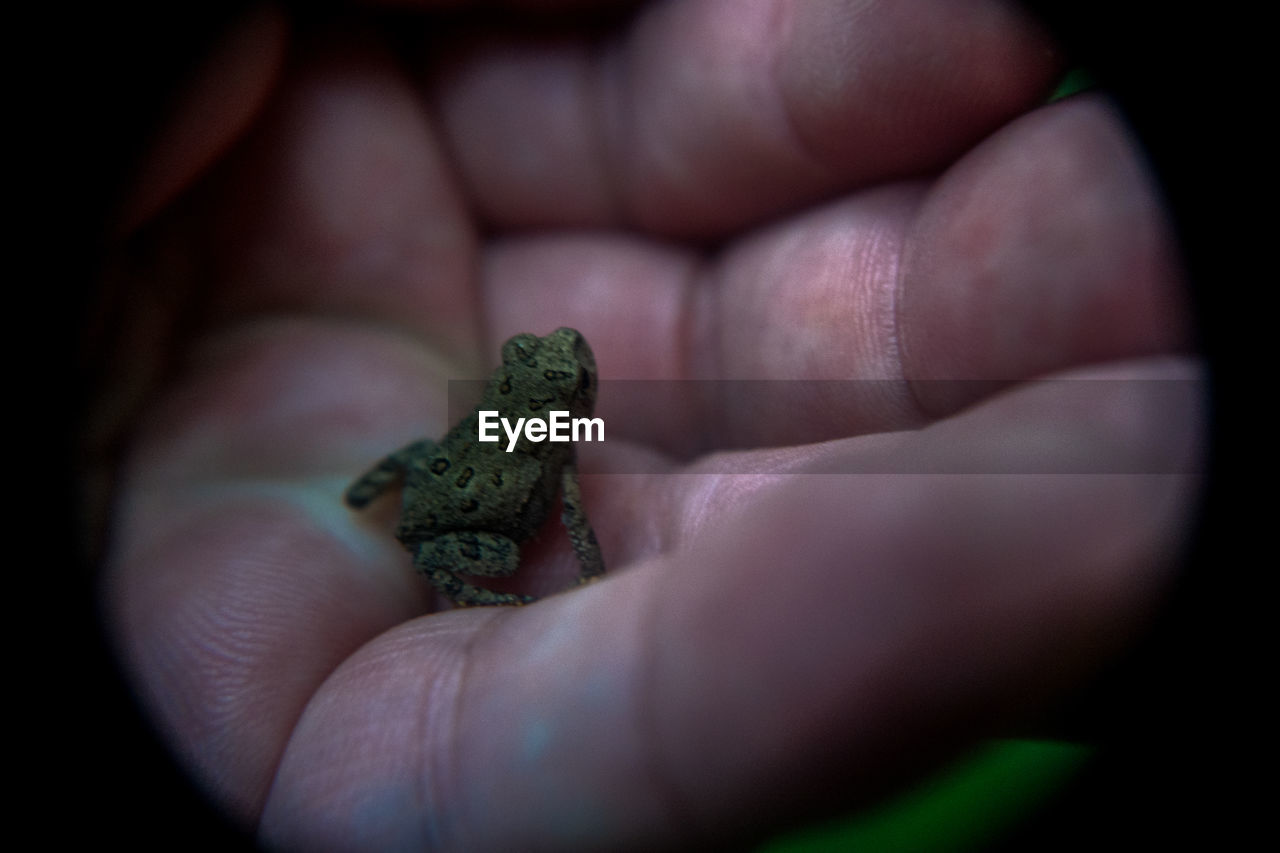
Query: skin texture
x=806, y=603
x=469, y=504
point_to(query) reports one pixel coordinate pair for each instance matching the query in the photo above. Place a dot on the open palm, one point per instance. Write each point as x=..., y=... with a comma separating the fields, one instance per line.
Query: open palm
x=803, y=600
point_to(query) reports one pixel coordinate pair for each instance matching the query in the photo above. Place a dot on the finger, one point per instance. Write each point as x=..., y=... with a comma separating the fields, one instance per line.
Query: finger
x=216, y=109
x=1043, y=249
x=703, y=116
x=340, y=202
x=1049, y=247
x=1076, y=423
x=237, y=580
x=828, y=636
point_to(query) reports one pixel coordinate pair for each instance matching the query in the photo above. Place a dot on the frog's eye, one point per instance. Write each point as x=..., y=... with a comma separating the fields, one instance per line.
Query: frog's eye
x=520, y=348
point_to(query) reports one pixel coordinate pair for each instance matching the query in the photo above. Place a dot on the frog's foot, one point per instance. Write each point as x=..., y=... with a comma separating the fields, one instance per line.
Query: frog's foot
x=466, y=595
x=387, y=473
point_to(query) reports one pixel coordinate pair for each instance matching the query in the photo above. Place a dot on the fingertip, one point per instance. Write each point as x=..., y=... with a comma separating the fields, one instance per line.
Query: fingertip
x=219, y=103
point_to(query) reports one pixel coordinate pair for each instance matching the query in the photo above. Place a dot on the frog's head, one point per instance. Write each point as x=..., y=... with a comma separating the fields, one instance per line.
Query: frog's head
x=541, y=374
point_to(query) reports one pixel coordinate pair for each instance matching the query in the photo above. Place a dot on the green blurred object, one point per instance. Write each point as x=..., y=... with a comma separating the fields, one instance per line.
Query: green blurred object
x=967, y=806
x=1074, y=81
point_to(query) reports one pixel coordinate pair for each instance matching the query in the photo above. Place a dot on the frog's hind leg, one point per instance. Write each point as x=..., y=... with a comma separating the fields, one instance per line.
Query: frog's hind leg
x=470, y=553
x=386, y=473
x=466, y=595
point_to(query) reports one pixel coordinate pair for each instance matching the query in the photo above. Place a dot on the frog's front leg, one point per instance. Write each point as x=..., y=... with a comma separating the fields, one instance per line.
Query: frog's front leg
x=387, y=473
x=575, y=521
x=484, y=554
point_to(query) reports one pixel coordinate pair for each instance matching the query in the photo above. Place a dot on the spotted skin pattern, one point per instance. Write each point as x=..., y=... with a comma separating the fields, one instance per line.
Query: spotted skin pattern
x=466, y=504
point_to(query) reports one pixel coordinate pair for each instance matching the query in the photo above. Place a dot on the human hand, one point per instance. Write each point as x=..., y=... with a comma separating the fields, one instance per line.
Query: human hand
x=889, y=210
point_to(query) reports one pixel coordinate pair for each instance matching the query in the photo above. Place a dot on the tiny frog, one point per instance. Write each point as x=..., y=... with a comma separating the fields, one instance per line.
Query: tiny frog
x=467, y=505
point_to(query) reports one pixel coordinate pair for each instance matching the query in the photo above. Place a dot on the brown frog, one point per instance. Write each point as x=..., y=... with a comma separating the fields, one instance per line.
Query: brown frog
x=467, y=504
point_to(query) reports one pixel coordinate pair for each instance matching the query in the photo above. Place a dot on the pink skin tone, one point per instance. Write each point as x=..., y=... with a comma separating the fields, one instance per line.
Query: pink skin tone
x=716, y=190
